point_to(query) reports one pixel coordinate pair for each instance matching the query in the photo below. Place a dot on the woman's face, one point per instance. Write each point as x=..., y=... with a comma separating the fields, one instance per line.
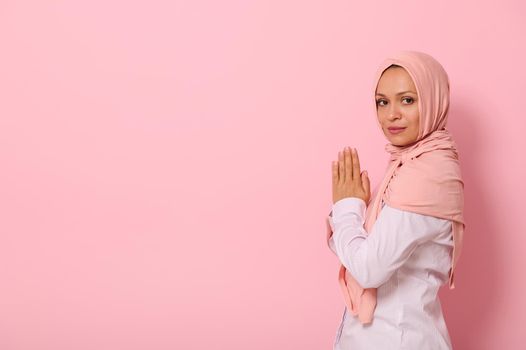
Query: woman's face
x=397, y=106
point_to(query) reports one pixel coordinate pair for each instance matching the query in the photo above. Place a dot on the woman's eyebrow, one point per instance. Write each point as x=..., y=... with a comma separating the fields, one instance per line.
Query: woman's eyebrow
x=400, y=93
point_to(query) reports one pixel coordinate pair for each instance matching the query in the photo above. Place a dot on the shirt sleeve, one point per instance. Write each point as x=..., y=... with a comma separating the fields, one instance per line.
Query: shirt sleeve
x=373, y=258
x=330, y=229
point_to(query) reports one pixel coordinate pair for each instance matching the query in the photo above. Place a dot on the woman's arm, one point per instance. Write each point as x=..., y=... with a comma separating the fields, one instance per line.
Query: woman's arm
x=373, y=258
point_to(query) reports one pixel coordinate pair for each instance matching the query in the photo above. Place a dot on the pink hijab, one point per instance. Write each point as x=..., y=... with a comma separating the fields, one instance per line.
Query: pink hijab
x=423, y=178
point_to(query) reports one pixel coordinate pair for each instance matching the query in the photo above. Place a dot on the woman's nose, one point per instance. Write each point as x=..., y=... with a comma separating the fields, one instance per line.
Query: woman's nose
x=394, y=112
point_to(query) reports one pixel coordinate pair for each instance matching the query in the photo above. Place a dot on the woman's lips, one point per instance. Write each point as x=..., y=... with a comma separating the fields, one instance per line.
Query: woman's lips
x=395, y=131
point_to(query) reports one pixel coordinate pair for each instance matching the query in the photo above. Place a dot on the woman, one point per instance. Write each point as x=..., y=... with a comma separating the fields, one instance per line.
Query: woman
x=395, y=258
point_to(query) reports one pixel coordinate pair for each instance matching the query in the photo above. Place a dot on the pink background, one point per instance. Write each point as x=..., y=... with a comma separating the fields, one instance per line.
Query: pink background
x=166, y=167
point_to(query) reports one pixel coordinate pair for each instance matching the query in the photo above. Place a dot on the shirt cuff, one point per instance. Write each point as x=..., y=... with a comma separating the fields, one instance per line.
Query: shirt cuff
x=348, y=205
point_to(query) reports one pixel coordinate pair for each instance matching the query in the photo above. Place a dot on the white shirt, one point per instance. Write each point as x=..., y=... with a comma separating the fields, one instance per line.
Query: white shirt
x=407, y=257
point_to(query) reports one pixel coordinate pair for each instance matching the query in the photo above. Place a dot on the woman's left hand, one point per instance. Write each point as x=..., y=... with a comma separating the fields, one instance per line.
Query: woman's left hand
x=347, y=180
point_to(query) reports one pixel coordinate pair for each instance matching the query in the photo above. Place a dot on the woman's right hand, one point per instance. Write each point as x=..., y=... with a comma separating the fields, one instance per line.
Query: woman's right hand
x=347, y=179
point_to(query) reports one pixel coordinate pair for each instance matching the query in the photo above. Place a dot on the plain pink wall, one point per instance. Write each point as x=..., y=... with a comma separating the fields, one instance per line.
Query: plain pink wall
x=166, y=167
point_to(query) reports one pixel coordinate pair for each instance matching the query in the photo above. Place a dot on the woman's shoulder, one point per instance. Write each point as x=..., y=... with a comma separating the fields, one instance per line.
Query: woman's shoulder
x=427, y=225
x=415, y=213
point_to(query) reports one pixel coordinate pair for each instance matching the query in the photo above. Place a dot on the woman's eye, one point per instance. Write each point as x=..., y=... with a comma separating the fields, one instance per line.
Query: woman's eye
x=378, y=102
x=408, y=98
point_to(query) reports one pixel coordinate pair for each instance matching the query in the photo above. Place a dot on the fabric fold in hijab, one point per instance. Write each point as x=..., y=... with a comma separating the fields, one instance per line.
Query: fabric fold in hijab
x=423, y=177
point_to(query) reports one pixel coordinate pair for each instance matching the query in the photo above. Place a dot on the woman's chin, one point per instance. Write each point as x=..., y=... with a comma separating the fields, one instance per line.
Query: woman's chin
x=398, y=141
x=393, y=139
